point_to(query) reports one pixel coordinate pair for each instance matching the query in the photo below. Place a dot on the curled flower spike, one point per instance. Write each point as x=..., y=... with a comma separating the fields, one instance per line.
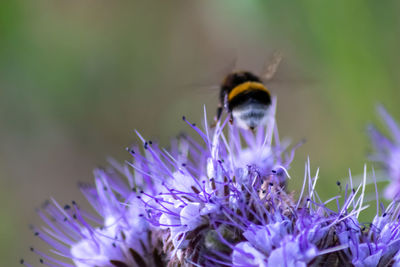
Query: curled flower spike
x=222, y=202
x=387, y=152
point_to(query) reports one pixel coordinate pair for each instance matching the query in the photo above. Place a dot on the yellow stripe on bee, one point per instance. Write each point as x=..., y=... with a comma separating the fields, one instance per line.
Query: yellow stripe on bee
x=246, y=86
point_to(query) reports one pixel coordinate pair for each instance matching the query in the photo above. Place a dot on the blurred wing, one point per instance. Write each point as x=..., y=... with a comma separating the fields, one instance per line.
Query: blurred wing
x=208, y=81
x=285, y=75
x=270, y=69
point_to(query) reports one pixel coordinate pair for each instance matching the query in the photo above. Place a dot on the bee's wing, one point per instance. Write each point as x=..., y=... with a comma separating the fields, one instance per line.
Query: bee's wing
x=285, y=74
x=270, y=69
x=208, y=81
x=198, y=89
x=298, y=82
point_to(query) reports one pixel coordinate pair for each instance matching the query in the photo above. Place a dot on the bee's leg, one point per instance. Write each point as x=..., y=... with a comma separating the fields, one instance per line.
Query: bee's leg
x=218, y=116
x=231, y=119
x=219, y=112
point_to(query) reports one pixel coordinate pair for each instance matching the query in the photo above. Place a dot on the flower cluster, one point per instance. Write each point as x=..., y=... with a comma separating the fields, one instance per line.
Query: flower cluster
x=220, y=203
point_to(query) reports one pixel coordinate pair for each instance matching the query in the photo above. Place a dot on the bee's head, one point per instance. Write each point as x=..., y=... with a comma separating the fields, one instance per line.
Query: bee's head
x=236, y=78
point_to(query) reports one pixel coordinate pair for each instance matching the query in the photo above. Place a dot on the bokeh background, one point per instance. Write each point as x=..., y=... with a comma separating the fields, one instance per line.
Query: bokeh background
x=77, y=77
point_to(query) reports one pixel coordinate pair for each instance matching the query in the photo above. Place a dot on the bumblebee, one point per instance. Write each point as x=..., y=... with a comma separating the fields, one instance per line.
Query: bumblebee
x=245, y=97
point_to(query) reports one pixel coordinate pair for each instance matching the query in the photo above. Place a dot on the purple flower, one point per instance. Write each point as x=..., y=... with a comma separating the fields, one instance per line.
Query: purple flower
x=122, y=235
x=375, y=246
x=220, y=203
x=387, y=152
x=273, y=245
x=291, y=253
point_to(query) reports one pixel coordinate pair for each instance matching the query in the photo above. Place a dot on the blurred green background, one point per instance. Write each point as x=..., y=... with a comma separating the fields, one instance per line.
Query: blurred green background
x=77, y=77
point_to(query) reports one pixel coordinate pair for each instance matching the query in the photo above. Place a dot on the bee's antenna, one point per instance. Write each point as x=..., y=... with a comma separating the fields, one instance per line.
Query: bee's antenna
x=270, y=69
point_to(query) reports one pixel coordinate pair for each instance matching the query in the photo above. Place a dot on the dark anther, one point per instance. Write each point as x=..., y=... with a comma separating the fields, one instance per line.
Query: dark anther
x=338, y=183
x=31, y=249
x=105, y=188
x=270, y=184
x=353, y=190
x=67, y=207
x=273, y=171
x=73, y=202
x=150, y=142
x=308, y=199
x=36, y=233
x=21, y=261
x=184, y=164
x=183, y=118
x=41, y=261
x=138, y=259
x=384, y=214
x=74, y=216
